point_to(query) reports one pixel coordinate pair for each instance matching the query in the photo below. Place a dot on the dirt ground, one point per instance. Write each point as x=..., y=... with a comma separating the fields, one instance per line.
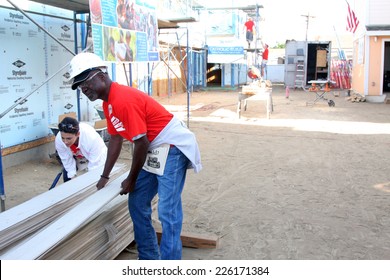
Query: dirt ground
x=311, y=182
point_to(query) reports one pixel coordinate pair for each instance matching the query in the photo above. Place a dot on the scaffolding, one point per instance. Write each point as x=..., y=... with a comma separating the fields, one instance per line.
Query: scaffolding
x=251, y=54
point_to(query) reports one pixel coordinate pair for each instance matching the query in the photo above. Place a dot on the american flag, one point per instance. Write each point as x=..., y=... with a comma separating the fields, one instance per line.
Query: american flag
x=352, y=21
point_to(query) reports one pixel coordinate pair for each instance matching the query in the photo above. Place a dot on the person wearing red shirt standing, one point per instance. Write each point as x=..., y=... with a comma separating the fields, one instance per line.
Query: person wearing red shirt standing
x=264, y=60
x=249, y=27
x=164, y=148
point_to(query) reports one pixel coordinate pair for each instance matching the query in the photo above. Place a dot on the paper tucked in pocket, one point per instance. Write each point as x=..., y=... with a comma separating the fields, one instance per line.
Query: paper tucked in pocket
x=156, y=159
x=81, y=163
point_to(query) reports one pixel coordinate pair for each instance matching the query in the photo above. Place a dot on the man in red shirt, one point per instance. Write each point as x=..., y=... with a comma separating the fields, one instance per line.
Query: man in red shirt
x=164, y=148
x=249, y=26
x=264, y=60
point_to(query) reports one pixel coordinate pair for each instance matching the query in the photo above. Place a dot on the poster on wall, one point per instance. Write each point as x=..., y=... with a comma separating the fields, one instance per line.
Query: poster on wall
x=125, y=30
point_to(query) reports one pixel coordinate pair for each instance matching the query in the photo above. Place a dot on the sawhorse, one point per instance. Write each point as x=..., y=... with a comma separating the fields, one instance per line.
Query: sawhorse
x=321, y=88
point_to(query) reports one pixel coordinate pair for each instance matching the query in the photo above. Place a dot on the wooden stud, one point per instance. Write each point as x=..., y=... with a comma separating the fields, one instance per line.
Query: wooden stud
x=198, y=241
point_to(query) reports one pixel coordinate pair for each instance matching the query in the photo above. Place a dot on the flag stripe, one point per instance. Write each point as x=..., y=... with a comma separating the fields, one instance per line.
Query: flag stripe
x=352, y=21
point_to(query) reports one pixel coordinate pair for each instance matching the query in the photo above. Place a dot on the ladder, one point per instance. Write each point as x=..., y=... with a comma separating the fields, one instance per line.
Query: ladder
x=299, y=74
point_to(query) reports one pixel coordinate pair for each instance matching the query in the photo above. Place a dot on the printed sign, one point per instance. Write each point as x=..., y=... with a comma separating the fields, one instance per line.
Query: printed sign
x=225, y=54
x=124, y=30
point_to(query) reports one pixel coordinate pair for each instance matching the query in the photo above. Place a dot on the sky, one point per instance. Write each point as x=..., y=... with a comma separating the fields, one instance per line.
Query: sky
x=285, y=19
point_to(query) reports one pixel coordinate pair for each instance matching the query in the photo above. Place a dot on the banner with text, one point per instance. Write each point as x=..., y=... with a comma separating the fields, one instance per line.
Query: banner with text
x=125, y=30
x=225, y=54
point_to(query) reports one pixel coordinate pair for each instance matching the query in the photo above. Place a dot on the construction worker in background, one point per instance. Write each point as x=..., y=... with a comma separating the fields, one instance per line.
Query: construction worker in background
x=79, y=147
x=164, y=148
x=264, y=60
x=253, y=73
x=249, y=28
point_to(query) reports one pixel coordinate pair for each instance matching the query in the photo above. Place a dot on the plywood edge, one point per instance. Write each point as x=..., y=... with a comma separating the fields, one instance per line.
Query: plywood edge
x=48, y=199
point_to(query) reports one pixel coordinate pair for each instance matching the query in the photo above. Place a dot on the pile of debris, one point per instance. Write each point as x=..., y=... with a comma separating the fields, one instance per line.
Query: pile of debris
x=356, y=97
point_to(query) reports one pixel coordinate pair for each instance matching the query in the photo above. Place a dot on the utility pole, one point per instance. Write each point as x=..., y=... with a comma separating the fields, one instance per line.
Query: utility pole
x=308, y=16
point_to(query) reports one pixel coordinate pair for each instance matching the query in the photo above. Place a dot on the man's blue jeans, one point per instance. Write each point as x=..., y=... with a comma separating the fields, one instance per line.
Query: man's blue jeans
x=169, y=188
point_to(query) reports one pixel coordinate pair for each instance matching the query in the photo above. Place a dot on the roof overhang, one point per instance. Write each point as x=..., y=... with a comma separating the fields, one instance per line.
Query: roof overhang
x=384, y=27
x=78, y=6
x=82, y=6
x=173, y=22
x=166, y=24
x=250, y=10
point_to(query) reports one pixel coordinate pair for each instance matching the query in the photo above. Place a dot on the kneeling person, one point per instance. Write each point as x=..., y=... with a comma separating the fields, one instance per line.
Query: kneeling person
x=79, y=147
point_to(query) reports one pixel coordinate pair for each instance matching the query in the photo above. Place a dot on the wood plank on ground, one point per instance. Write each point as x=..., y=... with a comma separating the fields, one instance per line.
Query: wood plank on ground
x=192, y=240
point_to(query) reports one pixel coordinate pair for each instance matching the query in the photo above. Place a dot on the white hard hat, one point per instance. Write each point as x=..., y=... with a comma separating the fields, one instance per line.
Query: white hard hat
x=84, y=62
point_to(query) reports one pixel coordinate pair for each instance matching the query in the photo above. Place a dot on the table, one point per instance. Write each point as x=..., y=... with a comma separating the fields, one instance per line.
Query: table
x=264, y=94
x=321, y=88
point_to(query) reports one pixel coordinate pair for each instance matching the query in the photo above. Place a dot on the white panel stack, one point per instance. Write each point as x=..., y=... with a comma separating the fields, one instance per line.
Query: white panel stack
x=72, y=221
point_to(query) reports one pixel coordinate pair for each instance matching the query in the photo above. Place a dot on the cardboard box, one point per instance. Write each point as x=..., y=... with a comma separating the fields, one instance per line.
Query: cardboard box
x=321, y=58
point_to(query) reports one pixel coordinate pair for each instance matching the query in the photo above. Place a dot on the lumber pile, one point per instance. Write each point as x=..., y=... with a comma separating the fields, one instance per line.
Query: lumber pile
x=356, y=97
x=74, y=221
x=86, y=223
x=21, y=221
x=196, y=241
x=103, y=238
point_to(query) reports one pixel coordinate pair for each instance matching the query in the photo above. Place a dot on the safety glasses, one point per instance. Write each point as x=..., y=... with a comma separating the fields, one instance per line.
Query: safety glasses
x=87, y=82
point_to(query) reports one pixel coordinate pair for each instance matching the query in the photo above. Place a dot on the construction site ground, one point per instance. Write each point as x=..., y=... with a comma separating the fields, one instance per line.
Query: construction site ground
x=311, y=182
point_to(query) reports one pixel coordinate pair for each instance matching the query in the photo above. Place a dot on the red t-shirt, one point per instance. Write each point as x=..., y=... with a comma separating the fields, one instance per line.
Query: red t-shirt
x=249, y=25
x=131, y=112
x=265, y=54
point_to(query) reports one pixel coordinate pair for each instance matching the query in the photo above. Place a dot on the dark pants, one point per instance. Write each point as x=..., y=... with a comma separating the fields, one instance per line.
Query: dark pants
x=249, y=36
x=65, y=175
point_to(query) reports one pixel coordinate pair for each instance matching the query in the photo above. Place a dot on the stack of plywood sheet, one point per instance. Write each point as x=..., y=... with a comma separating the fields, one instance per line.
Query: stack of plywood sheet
x=26, y=218
x=72, y=221
x=104, y=237
x=107, y=234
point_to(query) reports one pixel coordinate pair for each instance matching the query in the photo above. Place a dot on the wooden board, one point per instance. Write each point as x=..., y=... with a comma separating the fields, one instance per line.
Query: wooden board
x=321, y=58
x=63, y=227
x=192, y=240
x=27, y=145
x=103, y=238
x=23, y=220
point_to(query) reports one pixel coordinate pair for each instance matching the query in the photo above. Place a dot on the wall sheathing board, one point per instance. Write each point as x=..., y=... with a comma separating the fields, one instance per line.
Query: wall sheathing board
x=29, y=57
